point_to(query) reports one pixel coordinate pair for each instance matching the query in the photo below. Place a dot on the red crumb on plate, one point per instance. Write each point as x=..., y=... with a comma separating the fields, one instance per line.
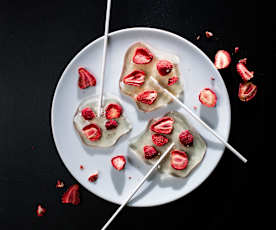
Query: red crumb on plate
x=93, y=177
x=81, y=167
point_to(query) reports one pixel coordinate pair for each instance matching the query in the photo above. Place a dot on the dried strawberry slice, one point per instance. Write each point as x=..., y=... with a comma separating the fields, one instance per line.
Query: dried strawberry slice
x=147, y=97
x=86, y=79
x=222, y=59
x=150, y=152
x=93, y=177
x=186, y=138
x=208, y=97
x=247, y=91
x=72, y=195
x=113, y=111
x=87, y=113
x=118, y=162
x=245, y=74
x=40, y=211
x=92, y=132
x=159, y=139
x=209, y=34
x=179, y=160
x=164, y=67
x=111, y=124
x=142, y=56
x=164, y=125
x=59, y=184
x=135, y=78
x=172, y=80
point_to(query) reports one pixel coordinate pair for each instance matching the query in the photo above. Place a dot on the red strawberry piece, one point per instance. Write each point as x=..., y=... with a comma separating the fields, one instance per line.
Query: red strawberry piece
x=72, y=195
x=244, y=60
x=245, y=74
x=88, y=114
x=147, y=97
x=135, y=78
x=164, y=67
x=208, y=34
x=113, y=111
x=81, y=167
x=186, y=138
x=59, y=184
x=92, y=132
x=208, y=97
x=142, y=56
x=40, y=211
x=159, y=139
x=237, y=49
x=118, y=162
x=172, y=80
x=111, y=124
x=150, y=152
x=93, y=177
x=164, y=125
x=86, y=79
x=247, y=91
x=179, y=159
x=222, y=59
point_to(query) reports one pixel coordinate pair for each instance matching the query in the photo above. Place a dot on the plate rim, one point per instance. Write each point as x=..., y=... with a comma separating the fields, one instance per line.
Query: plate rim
x=150, y=29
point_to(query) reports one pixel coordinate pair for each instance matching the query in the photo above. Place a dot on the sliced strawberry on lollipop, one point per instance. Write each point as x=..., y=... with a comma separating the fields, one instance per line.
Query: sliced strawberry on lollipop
x=113, y=111
x=142, y=56
x=135, y=78
x=147, y=97
x=159, y=139
x=92, y=132
x=245, y=74
x=87, y=113
x=179, y=160
x=164, y=125
x=247, y=91
x=186, y=138
x=222, y=59
x=72, y=195
x=150, y=152
x=118, y=162
x=86, y=79
x=40, y=211
x=208, y=97
x=111, y=124
x=164, y=67
x=172, y=80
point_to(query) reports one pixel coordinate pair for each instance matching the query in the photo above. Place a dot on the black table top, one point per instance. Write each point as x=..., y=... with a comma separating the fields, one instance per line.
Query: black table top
x=38, y=39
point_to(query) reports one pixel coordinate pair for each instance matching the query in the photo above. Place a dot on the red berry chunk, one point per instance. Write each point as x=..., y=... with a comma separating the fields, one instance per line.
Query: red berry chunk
x=172, y=80
x=150, y=152
x=179, y=159
x=142, y=56
x=113, y=111
x=86, y=79
x=159, y=139
x=111, y=124
x=93, y=177
x=59, y=184
x=222, y=59
x=208, y=97
x=88, y=114
x=208, y=34
x=186, y=138
x=135, y=78
x=40, y=210
x=164, y=125
x=164, y=67
x=92, y=132
x=147, y=97
x=118, y=162
x=72, y=195
x=247, y=91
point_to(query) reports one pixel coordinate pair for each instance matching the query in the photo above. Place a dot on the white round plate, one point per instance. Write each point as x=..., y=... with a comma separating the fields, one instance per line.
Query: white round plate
x=196, y=71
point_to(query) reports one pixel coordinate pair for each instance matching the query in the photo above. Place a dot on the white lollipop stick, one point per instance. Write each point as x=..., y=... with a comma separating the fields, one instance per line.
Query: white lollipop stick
x=202, y=122
x=107, y=16
x=137, y=187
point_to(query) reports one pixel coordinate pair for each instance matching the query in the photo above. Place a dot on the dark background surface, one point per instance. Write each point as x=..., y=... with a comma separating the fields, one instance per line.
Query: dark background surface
x=38, y=39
